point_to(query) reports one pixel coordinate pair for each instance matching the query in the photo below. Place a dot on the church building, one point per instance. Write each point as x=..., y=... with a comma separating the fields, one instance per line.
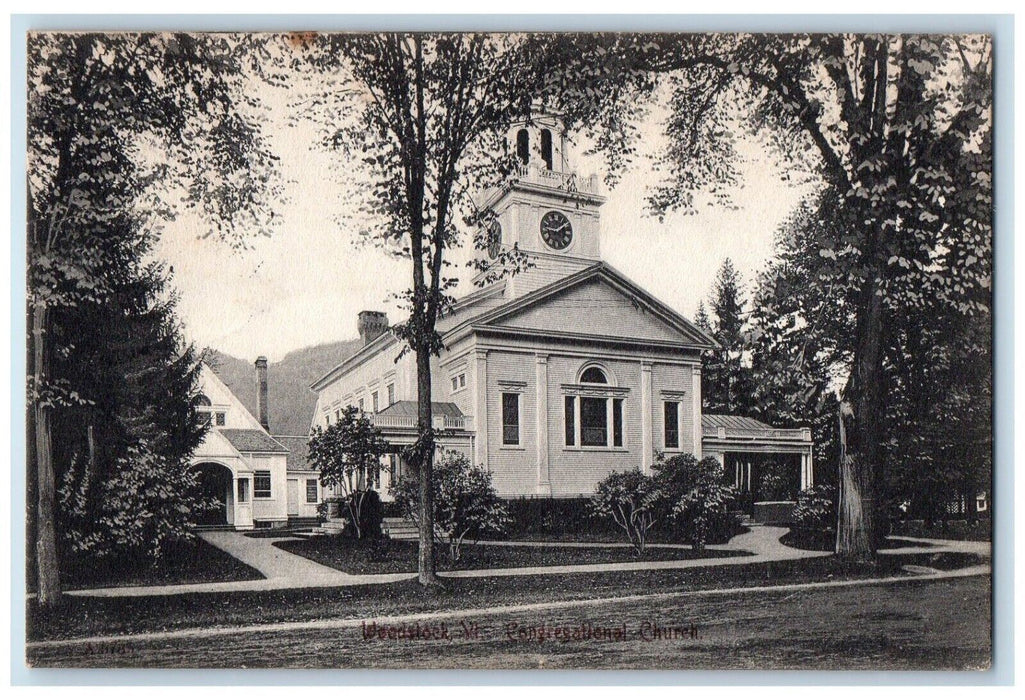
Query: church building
x=558, y=375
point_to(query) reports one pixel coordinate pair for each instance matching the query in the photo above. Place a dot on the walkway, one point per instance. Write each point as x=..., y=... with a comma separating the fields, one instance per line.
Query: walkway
x=285, y=570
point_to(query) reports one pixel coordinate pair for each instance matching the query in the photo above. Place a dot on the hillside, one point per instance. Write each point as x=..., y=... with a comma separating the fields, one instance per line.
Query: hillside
x=290, y=401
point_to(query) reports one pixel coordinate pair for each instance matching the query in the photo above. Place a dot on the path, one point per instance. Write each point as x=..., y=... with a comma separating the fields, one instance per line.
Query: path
x=285, y=570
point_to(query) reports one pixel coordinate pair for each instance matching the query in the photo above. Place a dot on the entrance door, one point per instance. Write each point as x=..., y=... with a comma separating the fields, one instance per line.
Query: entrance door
x=293, y=497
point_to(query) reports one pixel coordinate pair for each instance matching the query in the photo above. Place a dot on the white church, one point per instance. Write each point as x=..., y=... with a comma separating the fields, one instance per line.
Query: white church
x=556, y=376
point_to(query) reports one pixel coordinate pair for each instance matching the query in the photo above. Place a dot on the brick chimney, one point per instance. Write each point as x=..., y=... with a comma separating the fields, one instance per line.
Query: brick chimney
x=261, y=391
x=371, y=324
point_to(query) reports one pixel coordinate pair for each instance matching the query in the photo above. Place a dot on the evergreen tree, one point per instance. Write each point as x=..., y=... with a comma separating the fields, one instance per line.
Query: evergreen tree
x=725, y=381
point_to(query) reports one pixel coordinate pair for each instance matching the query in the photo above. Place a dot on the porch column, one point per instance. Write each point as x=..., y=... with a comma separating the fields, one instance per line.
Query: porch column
x=807, y=479
x=695, y=387
x=647, y=452
x=480, y=421
x=544, y=485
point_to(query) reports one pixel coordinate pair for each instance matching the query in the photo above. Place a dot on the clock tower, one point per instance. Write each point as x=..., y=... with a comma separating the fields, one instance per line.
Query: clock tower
x=545, y=209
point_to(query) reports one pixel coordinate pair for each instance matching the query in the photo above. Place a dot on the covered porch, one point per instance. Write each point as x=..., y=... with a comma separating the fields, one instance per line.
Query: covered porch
x=768, y=466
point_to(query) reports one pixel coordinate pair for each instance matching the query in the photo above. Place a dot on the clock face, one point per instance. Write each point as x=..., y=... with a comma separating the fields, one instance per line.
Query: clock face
x=494, y=239
x=556, y=230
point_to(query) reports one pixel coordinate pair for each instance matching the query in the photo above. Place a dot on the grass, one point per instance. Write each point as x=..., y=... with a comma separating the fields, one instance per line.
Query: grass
x=81, y=616
x=384, y=556
x=917, y=625
x=183, y=561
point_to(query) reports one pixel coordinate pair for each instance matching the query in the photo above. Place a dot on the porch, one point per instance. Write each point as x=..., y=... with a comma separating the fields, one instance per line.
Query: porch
x=768, y=466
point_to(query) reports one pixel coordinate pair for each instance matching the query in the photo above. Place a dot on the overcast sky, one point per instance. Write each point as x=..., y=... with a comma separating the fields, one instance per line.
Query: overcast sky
x=306, y=283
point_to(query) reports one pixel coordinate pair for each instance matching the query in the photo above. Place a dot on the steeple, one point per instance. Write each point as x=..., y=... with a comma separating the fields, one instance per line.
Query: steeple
x=545, y=208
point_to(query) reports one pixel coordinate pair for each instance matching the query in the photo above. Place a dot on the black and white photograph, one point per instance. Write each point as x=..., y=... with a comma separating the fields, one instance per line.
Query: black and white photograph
x=504, y=350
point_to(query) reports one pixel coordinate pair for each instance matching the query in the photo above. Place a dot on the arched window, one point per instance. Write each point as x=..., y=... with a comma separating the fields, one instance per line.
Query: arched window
x=594, y=415
x=523, y=146
x=201, y=400
x=546, y=147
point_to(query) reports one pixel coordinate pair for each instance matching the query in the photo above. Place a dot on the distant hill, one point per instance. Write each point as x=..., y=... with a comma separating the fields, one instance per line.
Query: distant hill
x=289, y=399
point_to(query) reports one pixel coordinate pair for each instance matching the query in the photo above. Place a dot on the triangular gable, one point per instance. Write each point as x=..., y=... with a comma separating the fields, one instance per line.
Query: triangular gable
x=598, y=301
x=220, y=395
x=214, y=445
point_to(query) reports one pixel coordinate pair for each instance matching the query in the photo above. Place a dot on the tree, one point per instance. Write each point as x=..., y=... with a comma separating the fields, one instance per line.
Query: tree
x=348, y=455
x=895, y=132
x=98, y=107
x=633, y=500
x=725, y=380
x=466, y=505
x=122, y=461
x=425, y=116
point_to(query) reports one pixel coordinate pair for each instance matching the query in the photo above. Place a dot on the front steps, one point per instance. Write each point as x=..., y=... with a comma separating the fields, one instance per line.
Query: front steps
x=400, y=529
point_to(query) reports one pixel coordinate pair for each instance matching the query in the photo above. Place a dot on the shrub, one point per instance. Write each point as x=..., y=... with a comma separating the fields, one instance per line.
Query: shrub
x=677, y=476
x=633, y=500
x=816, y=509
x=366, y=506
x=705, y=511
x=466, y=505
x=348, y=455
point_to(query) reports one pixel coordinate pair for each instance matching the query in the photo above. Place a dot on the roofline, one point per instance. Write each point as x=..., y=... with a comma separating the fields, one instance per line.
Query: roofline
x=379, y=343
x=584, y=337
x=599, y=268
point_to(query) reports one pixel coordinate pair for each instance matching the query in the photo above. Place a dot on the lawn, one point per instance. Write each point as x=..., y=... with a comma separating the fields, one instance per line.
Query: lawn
x=185, y=561
x=384, y=556
x=82, y=616
x=912, y=625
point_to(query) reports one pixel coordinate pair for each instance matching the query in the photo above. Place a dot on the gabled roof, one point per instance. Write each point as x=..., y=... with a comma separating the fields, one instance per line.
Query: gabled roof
x=245, y=440
x=298, y=447
x=692, y=335
x=409, y=408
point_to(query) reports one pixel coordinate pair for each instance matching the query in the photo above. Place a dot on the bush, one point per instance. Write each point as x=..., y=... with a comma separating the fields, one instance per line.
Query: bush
x=816, y=509
x=554, y=516
x=705, y=512
x=466, y=505
x=634, y=501
x=367, y=507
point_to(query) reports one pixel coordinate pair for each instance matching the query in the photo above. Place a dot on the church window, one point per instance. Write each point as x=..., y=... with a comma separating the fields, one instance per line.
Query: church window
x=391, y=394
x=593, y=422
x=546, y=148
x=221, y=418
x=523, y=146
x=360, y=406
x=617, y=422
x=571, y=427
x=243, y=490
x=510, y=419
x=671, y=415
x=593, y=375
x=375, y=401
x=311, y=490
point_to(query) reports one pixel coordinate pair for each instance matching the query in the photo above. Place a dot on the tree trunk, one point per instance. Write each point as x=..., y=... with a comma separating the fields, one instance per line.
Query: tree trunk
x=860, y=516
x=47, y=567
x=426, y=566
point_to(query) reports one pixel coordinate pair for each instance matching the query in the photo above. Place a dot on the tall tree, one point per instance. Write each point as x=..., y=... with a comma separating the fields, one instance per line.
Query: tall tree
x=725, y=379
x=426, y=114
x=897, y=129
x=118, y=126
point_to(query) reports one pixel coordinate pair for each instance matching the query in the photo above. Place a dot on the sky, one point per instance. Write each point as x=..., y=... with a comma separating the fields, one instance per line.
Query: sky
x=305, y=284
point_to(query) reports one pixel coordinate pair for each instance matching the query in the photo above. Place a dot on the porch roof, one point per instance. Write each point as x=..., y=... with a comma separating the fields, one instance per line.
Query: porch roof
x=740, y=433
x=714, y=421
x=409, y=408
x=248, y=440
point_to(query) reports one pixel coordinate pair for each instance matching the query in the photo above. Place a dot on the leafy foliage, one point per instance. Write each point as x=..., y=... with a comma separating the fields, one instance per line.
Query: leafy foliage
x=816, y=508
x=466, y=505
x=348, y=455
x=633, y=500
x=704, y=511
